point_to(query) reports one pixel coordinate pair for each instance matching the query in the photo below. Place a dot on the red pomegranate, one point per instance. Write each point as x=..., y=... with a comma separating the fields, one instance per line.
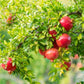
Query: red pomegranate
x=66, y=22
x=64, y=40
x=9, y=67
x=42, y=52
x=51, y=54
x=68, y=64
x=53, y=33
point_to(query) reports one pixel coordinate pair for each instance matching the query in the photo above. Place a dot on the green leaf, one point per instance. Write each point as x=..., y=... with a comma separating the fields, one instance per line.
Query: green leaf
x=76, y=42
x=82, y=27
x=82, y=68
x=80, y=37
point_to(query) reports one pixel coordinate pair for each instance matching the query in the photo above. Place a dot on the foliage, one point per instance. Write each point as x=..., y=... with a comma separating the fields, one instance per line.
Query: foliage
x=29, y=32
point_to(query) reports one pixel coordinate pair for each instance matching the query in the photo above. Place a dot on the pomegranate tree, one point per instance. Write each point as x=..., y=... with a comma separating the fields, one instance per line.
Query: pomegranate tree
x=29, y=32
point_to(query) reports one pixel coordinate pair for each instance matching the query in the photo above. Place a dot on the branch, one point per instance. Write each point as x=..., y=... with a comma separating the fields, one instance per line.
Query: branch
x=78, y=13
x=21, y=43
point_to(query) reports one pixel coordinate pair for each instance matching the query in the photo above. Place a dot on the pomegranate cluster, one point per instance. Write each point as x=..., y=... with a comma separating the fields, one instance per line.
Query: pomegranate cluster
x=9, y=66
x=63, y=41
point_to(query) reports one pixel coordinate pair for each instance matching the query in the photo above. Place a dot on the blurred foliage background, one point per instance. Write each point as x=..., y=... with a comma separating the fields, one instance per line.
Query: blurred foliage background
x=40, y=67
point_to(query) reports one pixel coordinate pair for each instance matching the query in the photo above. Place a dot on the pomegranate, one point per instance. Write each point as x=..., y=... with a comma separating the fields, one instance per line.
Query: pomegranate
x=53, y=33
x=51, y=54
x=64, y=40
x=9, y=67
x=66, y=22
x=42, y=52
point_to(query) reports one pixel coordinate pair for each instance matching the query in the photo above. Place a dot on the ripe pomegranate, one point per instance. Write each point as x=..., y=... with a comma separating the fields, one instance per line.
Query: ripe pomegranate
x=68, y=64
x=51, y=54
x=76, y=56
x=42, y=52
x=53, y=33
x=66, y=22
x=64, y=40
x=9, y=67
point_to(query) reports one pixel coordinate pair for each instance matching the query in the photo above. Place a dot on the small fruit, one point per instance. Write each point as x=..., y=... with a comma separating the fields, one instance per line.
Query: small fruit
x=76, y=56
x=51, y=54
x=9, y=67
x=53, y=33
x=68, y=64
x=66, y=22
x=64, y=40
x=42, y=52
x=9, y=19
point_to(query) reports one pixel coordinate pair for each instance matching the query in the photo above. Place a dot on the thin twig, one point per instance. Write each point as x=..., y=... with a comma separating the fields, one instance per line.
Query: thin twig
x=78, y=13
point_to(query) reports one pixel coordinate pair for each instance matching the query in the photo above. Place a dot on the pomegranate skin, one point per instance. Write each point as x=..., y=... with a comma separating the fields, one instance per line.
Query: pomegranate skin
x=51, y=54
x=42, y=52
x=3, y=66
x=66, y=22
x=68, y=64
x=52, y=32
x=64, y=40
x=9, y=66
